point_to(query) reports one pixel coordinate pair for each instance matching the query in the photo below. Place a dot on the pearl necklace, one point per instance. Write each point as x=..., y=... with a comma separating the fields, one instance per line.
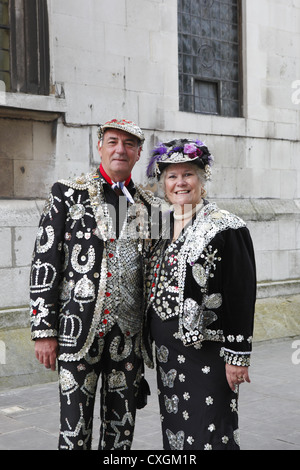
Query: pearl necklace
x=189, y=214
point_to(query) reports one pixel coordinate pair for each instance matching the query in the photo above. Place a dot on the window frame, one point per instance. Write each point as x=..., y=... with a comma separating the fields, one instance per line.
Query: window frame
x=29, y=47
x=190, y=96
x=218, y=83
x=6, y=27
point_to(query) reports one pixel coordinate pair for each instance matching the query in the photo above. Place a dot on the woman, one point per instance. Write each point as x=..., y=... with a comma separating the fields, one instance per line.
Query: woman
x=201, y=296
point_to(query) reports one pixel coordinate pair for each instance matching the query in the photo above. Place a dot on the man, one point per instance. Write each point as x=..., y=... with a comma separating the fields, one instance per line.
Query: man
x=87, y=291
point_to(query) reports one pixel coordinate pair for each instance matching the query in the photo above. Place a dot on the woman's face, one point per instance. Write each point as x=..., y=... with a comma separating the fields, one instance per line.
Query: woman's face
x=182, y=185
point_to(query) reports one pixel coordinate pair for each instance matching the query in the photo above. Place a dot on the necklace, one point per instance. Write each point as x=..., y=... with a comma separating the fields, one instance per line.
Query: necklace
x=189, y=214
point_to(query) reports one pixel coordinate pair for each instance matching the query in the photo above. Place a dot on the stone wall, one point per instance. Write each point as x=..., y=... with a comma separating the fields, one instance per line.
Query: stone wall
x=119, y=59
x=18, y=227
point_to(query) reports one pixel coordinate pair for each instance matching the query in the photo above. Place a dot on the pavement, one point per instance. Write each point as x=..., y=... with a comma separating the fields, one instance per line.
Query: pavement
x=269, y=407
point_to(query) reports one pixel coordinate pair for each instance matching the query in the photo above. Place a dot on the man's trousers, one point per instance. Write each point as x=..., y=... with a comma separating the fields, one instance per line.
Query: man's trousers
x=117, y=359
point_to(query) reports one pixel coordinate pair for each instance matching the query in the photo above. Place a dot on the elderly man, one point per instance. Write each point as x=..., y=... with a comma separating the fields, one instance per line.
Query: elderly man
x=87, y=291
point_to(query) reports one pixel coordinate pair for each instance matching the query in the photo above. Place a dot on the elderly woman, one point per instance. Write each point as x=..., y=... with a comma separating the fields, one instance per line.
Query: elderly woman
x=201, y=296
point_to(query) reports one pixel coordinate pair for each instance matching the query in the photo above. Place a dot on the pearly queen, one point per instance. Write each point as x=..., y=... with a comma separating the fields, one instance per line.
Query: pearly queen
x=77, y=296
x=185, y=280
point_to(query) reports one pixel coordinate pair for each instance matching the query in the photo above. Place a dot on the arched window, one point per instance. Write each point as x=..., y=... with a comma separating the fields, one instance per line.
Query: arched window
x=209, y=39
x=24, y=46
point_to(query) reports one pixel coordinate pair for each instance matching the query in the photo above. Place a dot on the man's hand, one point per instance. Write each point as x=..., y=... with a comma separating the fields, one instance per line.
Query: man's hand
x=46, y=350
x=236, y=375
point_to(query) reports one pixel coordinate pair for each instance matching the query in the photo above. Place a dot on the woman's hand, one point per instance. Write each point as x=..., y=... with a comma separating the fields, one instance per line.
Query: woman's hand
x=236, y=375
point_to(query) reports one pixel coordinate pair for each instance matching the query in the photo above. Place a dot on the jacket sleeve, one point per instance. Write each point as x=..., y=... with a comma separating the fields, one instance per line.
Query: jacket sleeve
x=47, y=262
x=239, y=295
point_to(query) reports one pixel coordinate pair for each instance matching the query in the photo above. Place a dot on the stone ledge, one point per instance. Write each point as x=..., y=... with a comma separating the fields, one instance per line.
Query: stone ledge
x=12, y=318
x=278, y=288
x=277, y=317
x=36, y=106
x=18, y=212
x=259, y=210
x=28, y=114
x=21, y=367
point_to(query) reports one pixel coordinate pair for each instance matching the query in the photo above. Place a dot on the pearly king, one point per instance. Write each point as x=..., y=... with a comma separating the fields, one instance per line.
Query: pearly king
x=87, y=289
x=78, y=295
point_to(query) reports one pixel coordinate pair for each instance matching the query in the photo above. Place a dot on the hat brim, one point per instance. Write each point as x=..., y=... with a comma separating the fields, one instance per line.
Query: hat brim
x=195, y=161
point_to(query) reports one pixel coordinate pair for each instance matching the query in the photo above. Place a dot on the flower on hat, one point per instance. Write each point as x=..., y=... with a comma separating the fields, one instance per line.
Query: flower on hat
x=190, y=148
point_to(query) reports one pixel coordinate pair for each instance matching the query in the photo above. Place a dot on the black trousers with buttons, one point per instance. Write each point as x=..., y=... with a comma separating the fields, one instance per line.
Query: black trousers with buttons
x=116, y=360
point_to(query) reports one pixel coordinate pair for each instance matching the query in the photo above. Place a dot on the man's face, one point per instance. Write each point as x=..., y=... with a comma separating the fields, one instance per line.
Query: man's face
x=119, y=153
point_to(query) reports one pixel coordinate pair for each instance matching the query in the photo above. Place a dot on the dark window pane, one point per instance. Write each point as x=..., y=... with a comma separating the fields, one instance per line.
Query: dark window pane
x=215, y=10
x=4, y=39
x=185, y=6
x=205, y=28
x=4, y=15
x=187, y=64
x=207, y=55
x=187, y=84
x=186, y=23
x=206, y=97
x=4, y=45
x=4, y=61
x=195, y=6
x=186, y=43
x=186, y=103
x=228, y=106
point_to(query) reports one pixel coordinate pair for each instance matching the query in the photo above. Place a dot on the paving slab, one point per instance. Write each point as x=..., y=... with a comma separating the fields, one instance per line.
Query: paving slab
x=269, y=407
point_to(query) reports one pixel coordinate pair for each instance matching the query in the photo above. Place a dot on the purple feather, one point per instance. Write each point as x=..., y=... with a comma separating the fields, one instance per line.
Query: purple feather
x=151, y=165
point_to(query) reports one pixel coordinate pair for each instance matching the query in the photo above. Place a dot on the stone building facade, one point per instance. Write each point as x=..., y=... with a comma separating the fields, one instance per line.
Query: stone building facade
x=132, y=59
